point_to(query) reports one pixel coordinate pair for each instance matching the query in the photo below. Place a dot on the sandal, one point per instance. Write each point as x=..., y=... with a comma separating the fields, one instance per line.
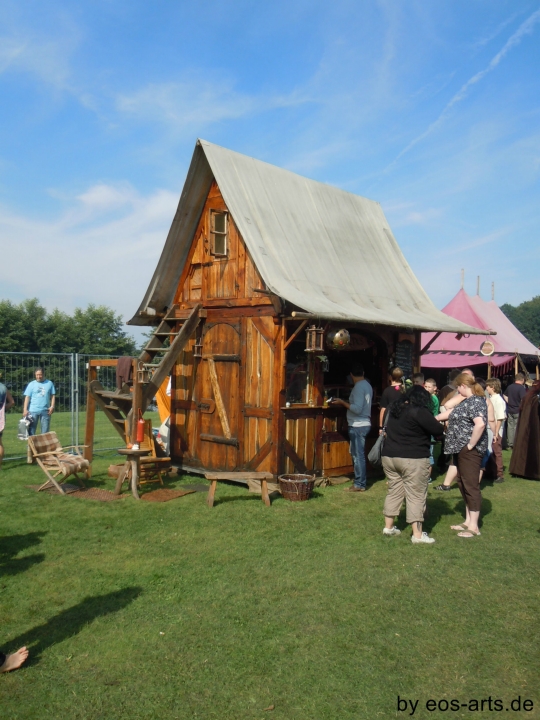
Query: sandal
x=469, y=533
x=461, y=527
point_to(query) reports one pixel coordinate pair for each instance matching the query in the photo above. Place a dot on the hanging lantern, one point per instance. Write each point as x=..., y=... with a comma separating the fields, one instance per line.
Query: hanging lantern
x=314, y=339
x=143, y=375
x=197, y=349
x=338, y=339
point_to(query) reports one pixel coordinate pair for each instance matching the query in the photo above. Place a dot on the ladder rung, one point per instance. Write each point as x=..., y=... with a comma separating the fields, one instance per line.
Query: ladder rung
x=165, y=333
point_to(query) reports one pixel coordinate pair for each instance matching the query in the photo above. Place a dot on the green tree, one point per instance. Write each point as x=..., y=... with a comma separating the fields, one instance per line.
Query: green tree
x=526, y=317
x=29, y=327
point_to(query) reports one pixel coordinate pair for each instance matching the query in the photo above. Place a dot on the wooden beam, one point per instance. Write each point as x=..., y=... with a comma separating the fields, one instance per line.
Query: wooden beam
x=218, y=439
x=295, y=333
x=257, y=459
x=295, y=459
x=90, y=417
x=105, y=362
x=429, y=344
x=167, y=364
x=218, y=398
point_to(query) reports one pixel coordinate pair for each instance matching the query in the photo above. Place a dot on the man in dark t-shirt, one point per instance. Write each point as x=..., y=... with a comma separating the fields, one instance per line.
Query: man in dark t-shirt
x=514, y=395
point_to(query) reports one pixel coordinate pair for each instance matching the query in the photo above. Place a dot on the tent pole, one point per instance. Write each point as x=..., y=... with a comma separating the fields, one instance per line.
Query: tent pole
x=489, y=370
x=515, y=365
x=537, y=372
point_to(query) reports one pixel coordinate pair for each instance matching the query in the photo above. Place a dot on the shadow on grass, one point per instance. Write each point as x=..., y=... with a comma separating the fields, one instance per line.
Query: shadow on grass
x=71, y=621
x=12, y=545
x=436, y=509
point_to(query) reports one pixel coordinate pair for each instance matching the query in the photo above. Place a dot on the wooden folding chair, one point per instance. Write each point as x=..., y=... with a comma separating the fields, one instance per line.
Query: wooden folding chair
x=55, y=462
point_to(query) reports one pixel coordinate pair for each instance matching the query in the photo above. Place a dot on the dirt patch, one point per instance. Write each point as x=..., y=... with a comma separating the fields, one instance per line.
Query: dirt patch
x=164, y=495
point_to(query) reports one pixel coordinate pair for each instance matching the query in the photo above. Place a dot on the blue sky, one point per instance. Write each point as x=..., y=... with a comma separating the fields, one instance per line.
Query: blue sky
x=430, y=107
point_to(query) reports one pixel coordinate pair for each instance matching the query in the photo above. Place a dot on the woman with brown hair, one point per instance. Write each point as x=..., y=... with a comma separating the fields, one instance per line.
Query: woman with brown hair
x=466, y=440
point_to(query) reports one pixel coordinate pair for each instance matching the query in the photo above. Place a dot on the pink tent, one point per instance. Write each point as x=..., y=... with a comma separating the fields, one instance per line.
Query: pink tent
x=448, y=351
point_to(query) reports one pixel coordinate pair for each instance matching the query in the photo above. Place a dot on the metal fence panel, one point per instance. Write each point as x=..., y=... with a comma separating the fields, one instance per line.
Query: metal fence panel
x=69, y=373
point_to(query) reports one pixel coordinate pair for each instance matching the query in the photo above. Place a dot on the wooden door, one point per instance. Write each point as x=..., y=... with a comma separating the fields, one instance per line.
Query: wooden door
x=259, y=393
x=218, y=398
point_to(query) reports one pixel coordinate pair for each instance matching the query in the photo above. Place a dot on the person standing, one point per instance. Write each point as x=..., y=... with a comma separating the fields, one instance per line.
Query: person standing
x=6, y=402
x=513, y=396
x=391, y=393
x=525, y=460
x=493, y=388
x=431, y=386
x=405, y=459
x=466, y=439
x=39, y=398
x=359, y=422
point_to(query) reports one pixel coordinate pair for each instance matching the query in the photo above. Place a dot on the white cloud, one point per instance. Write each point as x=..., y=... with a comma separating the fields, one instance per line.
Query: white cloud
x=83, y=255
x=526, y=28
x=197, y=103
x=46, y=58
x=401, y=214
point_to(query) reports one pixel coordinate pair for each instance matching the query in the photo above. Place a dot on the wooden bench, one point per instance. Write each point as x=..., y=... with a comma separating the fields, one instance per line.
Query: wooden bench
x=215, y=477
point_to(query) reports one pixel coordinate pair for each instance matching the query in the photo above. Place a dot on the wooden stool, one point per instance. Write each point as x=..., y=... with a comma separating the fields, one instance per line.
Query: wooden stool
x=215, y=477
x=132, y=465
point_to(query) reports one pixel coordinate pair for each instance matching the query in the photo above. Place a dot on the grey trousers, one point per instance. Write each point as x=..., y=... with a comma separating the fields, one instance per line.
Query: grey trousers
x=407, y=480
x=511, y=428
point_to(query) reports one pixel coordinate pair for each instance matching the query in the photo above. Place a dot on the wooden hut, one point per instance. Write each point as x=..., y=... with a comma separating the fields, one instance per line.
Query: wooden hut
x=266, y=255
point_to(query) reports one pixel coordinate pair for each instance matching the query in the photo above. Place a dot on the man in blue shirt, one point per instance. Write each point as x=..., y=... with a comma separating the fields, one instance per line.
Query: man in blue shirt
x=359, y=421
x=39, y=398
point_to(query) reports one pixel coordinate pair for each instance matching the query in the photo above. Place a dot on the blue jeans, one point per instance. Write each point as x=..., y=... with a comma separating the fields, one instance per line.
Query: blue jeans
x=357, y=437
x=45, y=422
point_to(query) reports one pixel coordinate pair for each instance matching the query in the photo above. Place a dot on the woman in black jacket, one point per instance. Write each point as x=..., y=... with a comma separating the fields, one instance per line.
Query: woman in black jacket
x=405, y=459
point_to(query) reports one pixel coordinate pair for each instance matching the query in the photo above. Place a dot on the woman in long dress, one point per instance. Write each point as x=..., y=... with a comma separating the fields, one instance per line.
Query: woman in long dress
x=526, y=453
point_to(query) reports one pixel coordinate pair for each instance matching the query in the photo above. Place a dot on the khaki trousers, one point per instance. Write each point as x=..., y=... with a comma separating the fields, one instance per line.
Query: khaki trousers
x=407, y=480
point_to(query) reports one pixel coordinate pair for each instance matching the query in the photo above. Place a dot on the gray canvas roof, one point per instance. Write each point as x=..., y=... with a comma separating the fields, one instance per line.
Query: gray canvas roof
x=325, y=250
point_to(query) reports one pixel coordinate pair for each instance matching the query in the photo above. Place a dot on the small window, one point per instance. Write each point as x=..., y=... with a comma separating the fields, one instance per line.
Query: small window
x=218, y=233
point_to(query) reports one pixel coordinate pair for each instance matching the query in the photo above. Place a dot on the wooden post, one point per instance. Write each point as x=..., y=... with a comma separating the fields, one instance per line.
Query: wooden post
x=516, y=366
x=489, y=370
x=90, y=418
x=417, y=360
x=537, y=372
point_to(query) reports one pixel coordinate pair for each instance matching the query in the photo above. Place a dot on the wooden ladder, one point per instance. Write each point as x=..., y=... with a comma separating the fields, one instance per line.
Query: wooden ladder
x=158, y=357
x=116, y=405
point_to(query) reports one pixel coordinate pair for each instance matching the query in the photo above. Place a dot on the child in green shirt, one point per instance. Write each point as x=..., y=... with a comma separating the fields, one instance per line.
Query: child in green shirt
x=431, y=386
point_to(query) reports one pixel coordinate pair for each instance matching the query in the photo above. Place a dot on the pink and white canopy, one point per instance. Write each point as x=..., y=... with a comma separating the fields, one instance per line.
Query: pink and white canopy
x=449, y=351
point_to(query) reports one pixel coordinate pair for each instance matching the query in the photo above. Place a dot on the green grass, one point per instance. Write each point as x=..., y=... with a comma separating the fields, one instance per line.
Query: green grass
x=105, y=436
x=146, y=610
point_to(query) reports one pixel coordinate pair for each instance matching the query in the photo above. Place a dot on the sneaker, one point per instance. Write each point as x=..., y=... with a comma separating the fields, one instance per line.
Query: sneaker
x=445, y=488
x=499, y=480
x=424, y=538
x=430, y=481
x=391, y=531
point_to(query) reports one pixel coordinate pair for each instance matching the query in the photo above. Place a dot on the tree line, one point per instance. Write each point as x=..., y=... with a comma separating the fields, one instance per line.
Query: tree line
x=526, y=317
x=30, y=327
